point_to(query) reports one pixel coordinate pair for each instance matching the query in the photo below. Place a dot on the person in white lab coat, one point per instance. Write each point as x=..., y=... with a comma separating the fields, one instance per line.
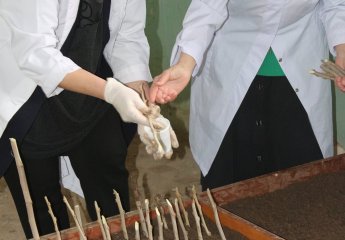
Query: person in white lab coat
x=253, y=103
x=56, y=56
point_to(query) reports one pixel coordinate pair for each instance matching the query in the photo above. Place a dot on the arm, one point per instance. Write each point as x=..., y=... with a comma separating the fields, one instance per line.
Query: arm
x=340, y=60
x=33, y=25
x=171, y=82
x=34, y=46
x=127, y=51
x=203, y=18
x=332, y=15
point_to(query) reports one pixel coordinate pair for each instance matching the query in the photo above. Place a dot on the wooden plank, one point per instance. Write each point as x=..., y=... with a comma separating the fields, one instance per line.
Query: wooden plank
x=274, y=181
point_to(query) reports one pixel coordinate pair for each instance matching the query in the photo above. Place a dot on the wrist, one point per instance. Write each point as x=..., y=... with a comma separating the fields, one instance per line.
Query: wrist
x=187, y=62
x=340, y=50
x=111, y=87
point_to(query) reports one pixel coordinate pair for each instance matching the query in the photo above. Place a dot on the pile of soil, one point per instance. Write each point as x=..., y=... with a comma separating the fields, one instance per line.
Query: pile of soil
x=312, y=209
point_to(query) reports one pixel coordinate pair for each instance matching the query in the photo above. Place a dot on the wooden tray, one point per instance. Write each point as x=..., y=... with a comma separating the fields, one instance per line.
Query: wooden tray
x=226, y=194
x=266, y=184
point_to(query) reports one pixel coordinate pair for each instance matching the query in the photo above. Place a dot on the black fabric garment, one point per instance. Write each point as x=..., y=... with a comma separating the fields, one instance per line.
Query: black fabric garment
x=270, y=131
x=98, y=173
x=87, y=130
x=64, y=120
x=18, y=126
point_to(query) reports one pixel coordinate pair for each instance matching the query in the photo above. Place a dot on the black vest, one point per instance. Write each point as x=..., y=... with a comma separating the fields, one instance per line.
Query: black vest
x=46, y=127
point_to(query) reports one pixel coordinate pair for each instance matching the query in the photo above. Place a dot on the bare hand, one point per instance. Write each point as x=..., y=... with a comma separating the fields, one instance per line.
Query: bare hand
x=171, y=82
x=340, y=61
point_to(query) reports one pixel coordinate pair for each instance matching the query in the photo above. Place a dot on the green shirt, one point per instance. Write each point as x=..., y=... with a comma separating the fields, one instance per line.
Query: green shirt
x=270, y=66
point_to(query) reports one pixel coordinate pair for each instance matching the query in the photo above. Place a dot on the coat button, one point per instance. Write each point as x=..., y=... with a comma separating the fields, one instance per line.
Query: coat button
x=258, y=123
x=296, y=90
x=259, y=158
x=260, y=86
x=280, y=60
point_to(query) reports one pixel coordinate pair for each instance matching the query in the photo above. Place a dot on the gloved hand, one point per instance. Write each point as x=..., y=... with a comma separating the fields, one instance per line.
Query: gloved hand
x=159, y=138
x=126, y=101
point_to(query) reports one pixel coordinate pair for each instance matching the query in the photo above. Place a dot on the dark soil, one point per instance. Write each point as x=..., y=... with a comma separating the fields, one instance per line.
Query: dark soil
x=312, y=209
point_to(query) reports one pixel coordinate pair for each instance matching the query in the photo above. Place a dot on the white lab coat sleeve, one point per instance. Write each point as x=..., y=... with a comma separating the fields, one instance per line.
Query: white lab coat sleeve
x=127, y=50
x=332, y=15
x=34, y=42
x=202, y=20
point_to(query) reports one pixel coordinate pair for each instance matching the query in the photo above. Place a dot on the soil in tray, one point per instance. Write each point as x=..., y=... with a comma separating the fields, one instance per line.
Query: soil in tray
x=192, y=232
x=313, y=209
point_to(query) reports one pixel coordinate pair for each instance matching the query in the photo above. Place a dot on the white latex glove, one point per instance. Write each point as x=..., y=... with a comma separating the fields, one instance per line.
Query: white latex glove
x=126, y=101
x=158, y=144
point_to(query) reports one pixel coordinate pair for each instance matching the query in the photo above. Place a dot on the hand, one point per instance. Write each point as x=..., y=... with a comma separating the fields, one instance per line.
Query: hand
x=126, y=101
x=340, y=61
x=172, y=81
x=159, y=143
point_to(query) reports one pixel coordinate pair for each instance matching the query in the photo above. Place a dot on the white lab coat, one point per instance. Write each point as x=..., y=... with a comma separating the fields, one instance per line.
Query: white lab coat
x=32, y=33
x=229, y=40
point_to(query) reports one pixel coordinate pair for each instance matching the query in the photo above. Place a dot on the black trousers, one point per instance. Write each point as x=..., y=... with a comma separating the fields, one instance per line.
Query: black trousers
x=99, y=163
x=270, y=131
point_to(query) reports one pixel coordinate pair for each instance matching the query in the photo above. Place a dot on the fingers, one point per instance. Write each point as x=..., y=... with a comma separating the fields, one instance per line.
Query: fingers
x=340, y=82
x=165, y=95
x=168, y=155
x=163, y=78
x=153, y=93
x=136, y=116
x=174, y=141
x=159, y=94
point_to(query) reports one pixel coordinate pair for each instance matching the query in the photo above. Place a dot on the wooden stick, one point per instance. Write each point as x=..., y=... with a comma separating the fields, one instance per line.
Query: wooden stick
x=99, y=220
x=341, y=70
x=122, y=215
x=78, y=214
x=25, y=189
x=185, y=214
x=322, y=75
x=106, y=228
x=160, y=225
x=197, y=221
x=215, y=213
x=179, y=218
x=51, y=213
x=80, y=229
x=329, y=68
x=137, y=234
x=158, y=200
x=203, y=223
x=142, y=219
x=173, y=220
x=148, y=222
x=165, y=224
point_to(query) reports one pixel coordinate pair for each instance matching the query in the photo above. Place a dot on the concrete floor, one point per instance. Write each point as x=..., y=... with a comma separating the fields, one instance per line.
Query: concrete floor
x=148, y=176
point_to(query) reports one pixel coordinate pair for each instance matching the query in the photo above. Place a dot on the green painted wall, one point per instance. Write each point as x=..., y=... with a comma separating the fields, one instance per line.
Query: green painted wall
x=339, y=117
x=164, y=21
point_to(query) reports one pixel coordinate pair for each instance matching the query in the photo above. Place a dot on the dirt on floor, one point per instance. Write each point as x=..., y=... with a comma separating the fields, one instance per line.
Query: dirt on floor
x=147, y=176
